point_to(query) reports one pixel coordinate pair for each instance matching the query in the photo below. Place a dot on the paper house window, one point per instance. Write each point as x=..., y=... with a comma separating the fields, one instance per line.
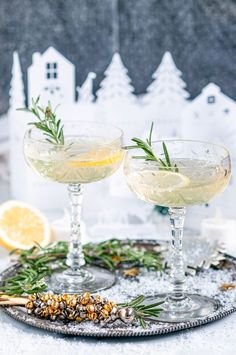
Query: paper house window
x=211, y=99
x=51, y=71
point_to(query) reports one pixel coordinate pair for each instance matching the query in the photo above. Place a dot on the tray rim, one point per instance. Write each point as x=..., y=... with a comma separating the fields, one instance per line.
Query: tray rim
x=117, y=333
x=58, y=328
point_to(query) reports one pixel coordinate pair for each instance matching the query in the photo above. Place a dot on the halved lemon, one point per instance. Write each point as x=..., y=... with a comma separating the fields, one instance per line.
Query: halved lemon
x=164, y=180
x=21, y=225
x=102, y=157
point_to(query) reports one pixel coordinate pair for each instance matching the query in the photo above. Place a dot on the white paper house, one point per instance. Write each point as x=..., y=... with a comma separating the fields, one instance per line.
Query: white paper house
x=53, y=77
x=211, y=117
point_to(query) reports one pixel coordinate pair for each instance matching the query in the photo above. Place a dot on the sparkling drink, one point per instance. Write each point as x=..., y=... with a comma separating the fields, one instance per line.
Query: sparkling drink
x=196, y=182
x=78, y=161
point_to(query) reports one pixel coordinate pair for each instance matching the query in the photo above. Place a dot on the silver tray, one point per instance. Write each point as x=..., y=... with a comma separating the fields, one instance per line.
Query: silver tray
x=121, y=330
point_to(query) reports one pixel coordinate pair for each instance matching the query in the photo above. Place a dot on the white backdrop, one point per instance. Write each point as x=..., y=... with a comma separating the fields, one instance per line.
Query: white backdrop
x=210, y=116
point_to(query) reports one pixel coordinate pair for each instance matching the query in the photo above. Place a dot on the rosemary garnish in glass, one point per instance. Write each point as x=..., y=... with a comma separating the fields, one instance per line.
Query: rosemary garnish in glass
x=149, y=154
x=46, y=121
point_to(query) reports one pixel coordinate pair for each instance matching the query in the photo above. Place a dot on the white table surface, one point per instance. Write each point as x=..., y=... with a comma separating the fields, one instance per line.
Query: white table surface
x=17, y=338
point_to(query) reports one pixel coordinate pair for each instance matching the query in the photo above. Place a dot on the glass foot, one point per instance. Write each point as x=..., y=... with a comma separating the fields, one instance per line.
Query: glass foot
x=189, y=308
x=89, y=278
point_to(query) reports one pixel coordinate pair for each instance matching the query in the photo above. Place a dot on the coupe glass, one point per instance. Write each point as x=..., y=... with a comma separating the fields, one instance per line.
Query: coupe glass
x=198, y=172
x=92, y=152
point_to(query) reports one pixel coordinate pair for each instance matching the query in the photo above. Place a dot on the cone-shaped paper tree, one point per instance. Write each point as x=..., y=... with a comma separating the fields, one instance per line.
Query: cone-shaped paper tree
x=116, y=84
x=86, y=90
x=167, y=87
x=17, y=97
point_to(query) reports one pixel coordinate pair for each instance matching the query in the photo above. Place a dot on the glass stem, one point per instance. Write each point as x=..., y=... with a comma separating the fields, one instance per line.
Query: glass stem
x=75, y=256
x=178, y=279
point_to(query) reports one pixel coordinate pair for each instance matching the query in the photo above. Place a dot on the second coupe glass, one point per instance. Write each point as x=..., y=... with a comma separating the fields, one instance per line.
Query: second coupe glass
x=198, y=172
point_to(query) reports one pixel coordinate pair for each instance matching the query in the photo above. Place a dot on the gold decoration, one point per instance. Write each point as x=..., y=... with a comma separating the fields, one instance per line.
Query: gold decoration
x=116, y=258
x=131, y=272
x=227, y=287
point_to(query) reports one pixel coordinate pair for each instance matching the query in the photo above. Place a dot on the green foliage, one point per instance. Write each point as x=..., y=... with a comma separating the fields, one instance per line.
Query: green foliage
x=149, y=154
x=47, y=122
x=38, y=263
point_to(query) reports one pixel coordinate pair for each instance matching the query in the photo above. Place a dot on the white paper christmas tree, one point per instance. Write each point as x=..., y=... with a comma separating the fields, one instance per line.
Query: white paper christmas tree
x=166, y=98
x=167, y=85
x=16, y=93
x=117, y=83
x=86, y=90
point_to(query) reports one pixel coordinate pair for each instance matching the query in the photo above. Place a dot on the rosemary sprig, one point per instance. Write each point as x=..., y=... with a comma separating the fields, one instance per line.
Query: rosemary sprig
x=113, y=253
x=149, y=154
x=34, y=266
x=142, y=310
x=38, y=263
x=46, y=121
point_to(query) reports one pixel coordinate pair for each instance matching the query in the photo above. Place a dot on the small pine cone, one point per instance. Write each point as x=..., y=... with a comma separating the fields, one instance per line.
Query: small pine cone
x=71, y=316
x=92, y=316
x=79, y=308
x=55, y=304
x=45, y=313
x=36, y=303
x=65, y=297
x=58, y=312
x=30, y=305
x=85, y=298
x=108, y=306
x=83, y=315
x=92, y=299
x=104, y=313
x=73, y=302
x=43, y=305
x=90, y=308
x=98, y=299
x=32, y=297
x=53, y=317
x=61, y=316
x=51, y=311
x=37, y=311
x=62, y=305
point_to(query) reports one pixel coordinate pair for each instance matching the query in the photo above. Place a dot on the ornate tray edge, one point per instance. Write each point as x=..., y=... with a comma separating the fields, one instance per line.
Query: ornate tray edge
x=109, y=333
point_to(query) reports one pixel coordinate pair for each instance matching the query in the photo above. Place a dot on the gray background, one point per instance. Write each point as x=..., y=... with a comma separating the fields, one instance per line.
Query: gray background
x=201, y=35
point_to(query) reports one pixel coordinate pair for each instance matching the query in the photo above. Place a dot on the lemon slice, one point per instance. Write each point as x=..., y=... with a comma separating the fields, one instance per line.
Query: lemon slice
x=21, y=225
x=164, y=180
x=100, y=158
